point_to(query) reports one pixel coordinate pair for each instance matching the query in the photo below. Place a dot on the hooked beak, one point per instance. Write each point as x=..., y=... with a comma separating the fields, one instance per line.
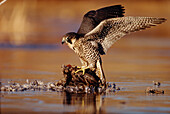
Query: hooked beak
x=63, y=41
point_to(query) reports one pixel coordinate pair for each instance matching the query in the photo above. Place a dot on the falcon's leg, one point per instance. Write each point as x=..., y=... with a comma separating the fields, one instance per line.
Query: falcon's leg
x=83, y=62
x=99, y=71
x=84, y=66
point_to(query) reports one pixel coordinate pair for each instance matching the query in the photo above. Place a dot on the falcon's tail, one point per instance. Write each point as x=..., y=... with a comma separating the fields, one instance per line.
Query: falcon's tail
x=100, y=72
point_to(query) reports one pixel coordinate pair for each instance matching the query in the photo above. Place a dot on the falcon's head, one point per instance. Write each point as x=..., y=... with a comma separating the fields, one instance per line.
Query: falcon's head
x=69, y=38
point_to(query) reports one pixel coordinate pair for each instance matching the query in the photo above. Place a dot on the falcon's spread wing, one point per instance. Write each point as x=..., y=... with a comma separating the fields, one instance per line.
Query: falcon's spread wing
x=111, y=30
x=93, y=18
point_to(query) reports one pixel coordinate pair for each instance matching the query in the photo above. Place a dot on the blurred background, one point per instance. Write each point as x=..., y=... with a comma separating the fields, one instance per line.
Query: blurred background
x=46, y=21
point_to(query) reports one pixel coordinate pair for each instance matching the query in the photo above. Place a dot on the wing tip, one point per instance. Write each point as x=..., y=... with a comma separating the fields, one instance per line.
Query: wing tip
x=162, y=19
x=159, y=20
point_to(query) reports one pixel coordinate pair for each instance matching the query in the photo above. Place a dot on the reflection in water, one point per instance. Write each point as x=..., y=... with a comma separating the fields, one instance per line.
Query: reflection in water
x=88, y=102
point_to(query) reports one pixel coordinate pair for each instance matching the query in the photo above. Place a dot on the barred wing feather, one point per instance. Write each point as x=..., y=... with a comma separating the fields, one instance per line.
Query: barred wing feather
x=111, y=30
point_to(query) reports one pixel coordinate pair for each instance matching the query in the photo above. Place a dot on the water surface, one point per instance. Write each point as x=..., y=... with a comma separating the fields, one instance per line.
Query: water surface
x=132, y=67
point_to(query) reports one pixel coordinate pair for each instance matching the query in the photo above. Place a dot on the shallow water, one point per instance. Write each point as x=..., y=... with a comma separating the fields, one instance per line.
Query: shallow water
x=132, y=66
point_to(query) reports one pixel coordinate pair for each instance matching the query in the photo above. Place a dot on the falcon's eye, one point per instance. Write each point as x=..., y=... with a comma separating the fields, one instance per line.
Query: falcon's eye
x=67, y=38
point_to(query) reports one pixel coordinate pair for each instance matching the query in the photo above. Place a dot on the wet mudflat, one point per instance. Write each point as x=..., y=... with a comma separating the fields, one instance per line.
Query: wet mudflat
x=132, y=66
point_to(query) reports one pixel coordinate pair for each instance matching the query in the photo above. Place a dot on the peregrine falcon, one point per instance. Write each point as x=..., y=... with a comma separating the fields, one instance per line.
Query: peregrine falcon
x=99, y=30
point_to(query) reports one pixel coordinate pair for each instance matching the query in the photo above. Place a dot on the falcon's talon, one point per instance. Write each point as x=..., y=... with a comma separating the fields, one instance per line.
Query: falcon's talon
x=82, y=69
x=78, y=67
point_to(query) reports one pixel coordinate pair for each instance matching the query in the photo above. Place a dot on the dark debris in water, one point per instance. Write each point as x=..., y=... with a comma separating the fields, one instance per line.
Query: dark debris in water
x=71, y=83
x=35, y=85
x=38, y=85
x=157, y=84
x=155, y=89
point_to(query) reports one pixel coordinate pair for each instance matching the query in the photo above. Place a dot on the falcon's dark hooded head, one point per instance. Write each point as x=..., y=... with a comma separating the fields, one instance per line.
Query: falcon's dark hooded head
x=69, y=37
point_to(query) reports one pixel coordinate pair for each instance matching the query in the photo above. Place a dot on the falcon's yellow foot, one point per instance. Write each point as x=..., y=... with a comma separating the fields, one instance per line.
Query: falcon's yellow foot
x=78, y=67
x=82, y=69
